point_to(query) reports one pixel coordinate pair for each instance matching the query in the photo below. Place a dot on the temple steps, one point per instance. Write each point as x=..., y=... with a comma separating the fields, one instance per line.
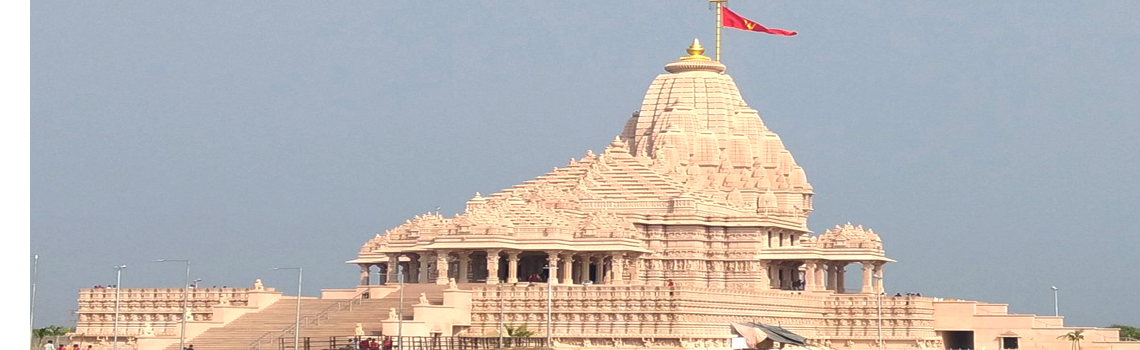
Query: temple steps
x=238, y=335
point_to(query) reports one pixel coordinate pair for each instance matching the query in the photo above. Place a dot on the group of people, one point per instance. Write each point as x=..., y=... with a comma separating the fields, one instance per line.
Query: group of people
x=372, y=344
x=909, y=294
x=97, y=286
x=51, y=346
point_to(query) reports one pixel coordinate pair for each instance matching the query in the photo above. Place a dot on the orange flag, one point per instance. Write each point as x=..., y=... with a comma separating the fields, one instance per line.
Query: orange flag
x=733, y=20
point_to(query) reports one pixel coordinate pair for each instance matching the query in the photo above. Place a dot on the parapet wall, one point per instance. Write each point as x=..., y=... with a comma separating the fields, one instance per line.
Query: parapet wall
x=603, y=315
x=160, y=308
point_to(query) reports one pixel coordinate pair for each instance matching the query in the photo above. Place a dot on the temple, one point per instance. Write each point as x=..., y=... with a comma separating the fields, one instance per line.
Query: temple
x=687, y=231
x=695, y=190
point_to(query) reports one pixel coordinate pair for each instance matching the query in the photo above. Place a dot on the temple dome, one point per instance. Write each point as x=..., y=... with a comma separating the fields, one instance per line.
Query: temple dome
x=695, y=112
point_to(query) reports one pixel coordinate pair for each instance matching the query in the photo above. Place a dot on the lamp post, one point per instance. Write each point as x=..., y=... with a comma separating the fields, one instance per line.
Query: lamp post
x=185, y=298
x=500, y=330
x=196, y=280
x=400, y=322
x=879, y=316
x=35, y=271
x=550, y=278
x=118, y=285
x=297, y=316
x=1056, y=306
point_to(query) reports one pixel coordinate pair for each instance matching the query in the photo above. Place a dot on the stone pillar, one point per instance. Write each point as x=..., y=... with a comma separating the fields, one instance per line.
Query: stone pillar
x=413, y=269
x=513, y=267
x=425, y=260
x=618, y=261
x=599, y=270
x=787, y=278
x=393, y=262
x=635, y=270
x=442, y=266
x=365, y=273
x=868, y=269
x=841, y=277
x=809, y=275
x=879, y=281
x=552, y=263
x=567, y=268
x=493, y=266
x=820, y=279
x=583, y=268
x=464, y=266
x=832, y=276
x=764, y=283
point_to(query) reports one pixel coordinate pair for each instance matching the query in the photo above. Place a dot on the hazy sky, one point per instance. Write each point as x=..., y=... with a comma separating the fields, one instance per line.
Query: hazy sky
x=993, y=145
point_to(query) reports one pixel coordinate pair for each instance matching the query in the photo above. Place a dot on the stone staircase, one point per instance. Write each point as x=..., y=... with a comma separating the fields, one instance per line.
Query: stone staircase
x=238, y=335
x=370, y=312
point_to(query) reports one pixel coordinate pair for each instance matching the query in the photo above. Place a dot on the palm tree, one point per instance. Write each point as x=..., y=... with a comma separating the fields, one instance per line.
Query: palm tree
x=1075, y=337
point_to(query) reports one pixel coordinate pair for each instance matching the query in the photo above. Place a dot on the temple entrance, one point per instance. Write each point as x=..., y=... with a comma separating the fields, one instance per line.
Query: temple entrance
x=532, y=267
x=958, y=339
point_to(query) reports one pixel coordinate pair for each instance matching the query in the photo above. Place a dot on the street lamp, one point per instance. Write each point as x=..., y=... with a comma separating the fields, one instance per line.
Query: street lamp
x=118, y=285
x=297, y=317
x=196, y=280
x=879, y=302
x=35, y=271
x=551, y=276
x=500, y=331
x=185, y=299
x=400, y=322
x=1056, y=307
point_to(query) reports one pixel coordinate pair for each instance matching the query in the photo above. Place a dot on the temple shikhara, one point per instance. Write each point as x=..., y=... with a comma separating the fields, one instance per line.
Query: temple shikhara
x=688, y=231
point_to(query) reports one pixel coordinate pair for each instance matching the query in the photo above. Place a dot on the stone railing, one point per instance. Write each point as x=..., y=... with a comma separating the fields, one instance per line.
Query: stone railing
x=633, y=311
x=858, y=316
x=640, y=310
x=151, y=310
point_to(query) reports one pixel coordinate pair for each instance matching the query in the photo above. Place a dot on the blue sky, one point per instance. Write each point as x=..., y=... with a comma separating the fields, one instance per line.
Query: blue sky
x=993, y=146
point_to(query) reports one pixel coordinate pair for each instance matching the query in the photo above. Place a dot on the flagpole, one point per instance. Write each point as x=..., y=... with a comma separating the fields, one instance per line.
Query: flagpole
x=719, y=4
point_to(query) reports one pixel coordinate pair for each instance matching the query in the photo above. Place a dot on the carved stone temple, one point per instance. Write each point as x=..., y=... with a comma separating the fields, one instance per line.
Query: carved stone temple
x=687, y=231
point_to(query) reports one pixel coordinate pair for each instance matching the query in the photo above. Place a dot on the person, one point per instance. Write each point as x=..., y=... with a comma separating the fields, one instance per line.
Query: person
x=387, y=343
x=62, y=347
x=534, y=278
x=75, y=346
x=49, y=346
x=190, y=347
x=669, y=283
x=374, y=344
x=363, y=343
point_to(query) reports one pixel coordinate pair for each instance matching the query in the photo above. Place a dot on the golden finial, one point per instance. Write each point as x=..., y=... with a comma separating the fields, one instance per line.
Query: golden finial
x=695, y=50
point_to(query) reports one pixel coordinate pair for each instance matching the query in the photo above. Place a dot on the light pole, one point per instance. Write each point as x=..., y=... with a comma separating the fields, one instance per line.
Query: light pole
x=500, y=331
x=297, y=317
x=1056, y=306
x=185, y=298
x=118, y=285
x=400, y=322
x=551, y=276
x=196, y=280
x=35, y=271
x=879, y=302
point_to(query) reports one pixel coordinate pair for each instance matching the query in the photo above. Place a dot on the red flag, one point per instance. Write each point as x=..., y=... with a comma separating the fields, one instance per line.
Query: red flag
x=732, y=20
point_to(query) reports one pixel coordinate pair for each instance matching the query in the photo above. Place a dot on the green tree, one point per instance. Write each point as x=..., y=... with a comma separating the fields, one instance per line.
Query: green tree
x=53, y=331
x=519, y=332
x=1075, y=336
x=1127, y=332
